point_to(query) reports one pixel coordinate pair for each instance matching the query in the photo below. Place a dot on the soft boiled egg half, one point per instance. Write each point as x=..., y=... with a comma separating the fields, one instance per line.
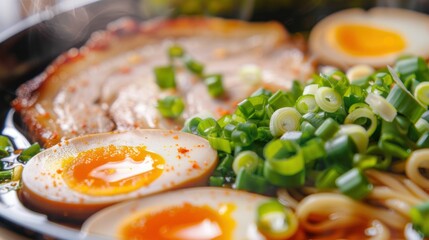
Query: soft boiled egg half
x=78, y=177
x=191, y=214
x=376, y=37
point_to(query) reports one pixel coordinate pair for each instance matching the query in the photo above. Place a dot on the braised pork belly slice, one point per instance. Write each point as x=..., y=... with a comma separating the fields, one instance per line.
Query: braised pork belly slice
x=109, y=83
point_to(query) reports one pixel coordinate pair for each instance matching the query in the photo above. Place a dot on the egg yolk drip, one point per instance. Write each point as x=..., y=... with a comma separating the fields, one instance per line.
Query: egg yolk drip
x=112, y=170
x=185, y=221
x=362, y=40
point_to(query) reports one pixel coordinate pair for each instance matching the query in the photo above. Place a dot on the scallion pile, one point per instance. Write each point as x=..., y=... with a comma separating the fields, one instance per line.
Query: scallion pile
x=324, y=133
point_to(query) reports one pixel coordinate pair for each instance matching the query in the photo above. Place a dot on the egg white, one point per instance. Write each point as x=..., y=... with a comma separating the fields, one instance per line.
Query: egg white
x=412, y=26
x=45, y=190
x=106, y=223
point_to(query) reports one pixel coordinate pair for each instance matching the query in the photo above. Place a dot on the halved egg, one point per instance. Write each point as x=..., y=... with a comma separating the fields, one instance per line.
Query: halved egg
x=195, y=213
x=376, y=37
x=78, y=177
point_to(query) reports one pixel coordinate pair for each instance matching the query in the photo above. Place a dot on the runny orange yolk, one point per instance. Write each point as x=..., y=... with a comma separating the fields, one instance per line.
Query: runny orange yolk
x=185, y=221
x=361, y=40
x=112, y=170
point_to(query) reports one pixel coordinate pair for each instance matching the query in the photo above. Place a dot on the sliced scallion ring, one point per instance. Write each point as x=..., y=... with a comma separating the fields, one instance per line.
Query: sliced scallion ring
x=310, y=89
x=363, y=113
x=306, y=103
x=275, y=221
x=421, y=93
x=358, y=72
x=328, y=99
x=284, y=119
x=358, y=134
x=246, y=159
x=381, y=107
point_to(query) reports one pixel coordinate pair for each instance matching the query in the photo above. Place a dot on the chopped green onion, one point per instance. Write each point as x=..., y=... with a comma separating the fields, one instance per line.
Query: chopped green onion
x=419, y=216
x=403, y=101
x=394, y=146
x=422, y=126
x=310, y=89
x=306, y=103
x=246, y=159
x=353, y=95
x=220, y=144
x=11, y=174
x=383, y=159
x=29, y=152
x=423, y=141
x=214, y=85
x=354, y=184
x=381, y=107
x=250, y=182
x=358, y=134
x=225, y=165
x=313, y=150
x=413, y=65
x=165, y=77
x=357, y=105
x=262, y=91
x=307, y=130
x=328, y=129
x=359, y=72
x=279, y=100
x=284, y=156
x=264, y=134
x=216, y=181
x=340, y=151
x=422, y=93
x=241, y=138
x=315, y=119
x=191, y=125
x=294, y=136
x=275, y=221
x=354, y=116
x=249, y=128
x=171, y=106
x=194, y=66
x=296, y=90
x=328, y=99
x=251, y=74
x=365, y=161
x=175, y=51
x=208, y=127
x=283, y=120
x=246, y=108
x=326, y=179
x=6, y=175
x=5, y=146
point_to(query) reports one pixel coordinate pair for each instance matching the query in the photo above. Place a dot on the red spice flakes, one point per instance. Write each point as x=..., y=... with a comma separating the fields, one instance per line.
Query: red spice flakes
x=59, y=171
x=183, y=150
x=222, y=111
x=195, y=165
x=179, y=157
x=176, y=137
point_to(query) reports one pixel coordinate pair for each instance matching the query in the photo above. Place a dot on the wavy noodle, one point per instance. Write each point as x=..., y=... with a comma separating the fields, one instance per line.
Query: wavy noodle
x=418, y=159
x=339, y=211
x=385, y=209
x=286, y=199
